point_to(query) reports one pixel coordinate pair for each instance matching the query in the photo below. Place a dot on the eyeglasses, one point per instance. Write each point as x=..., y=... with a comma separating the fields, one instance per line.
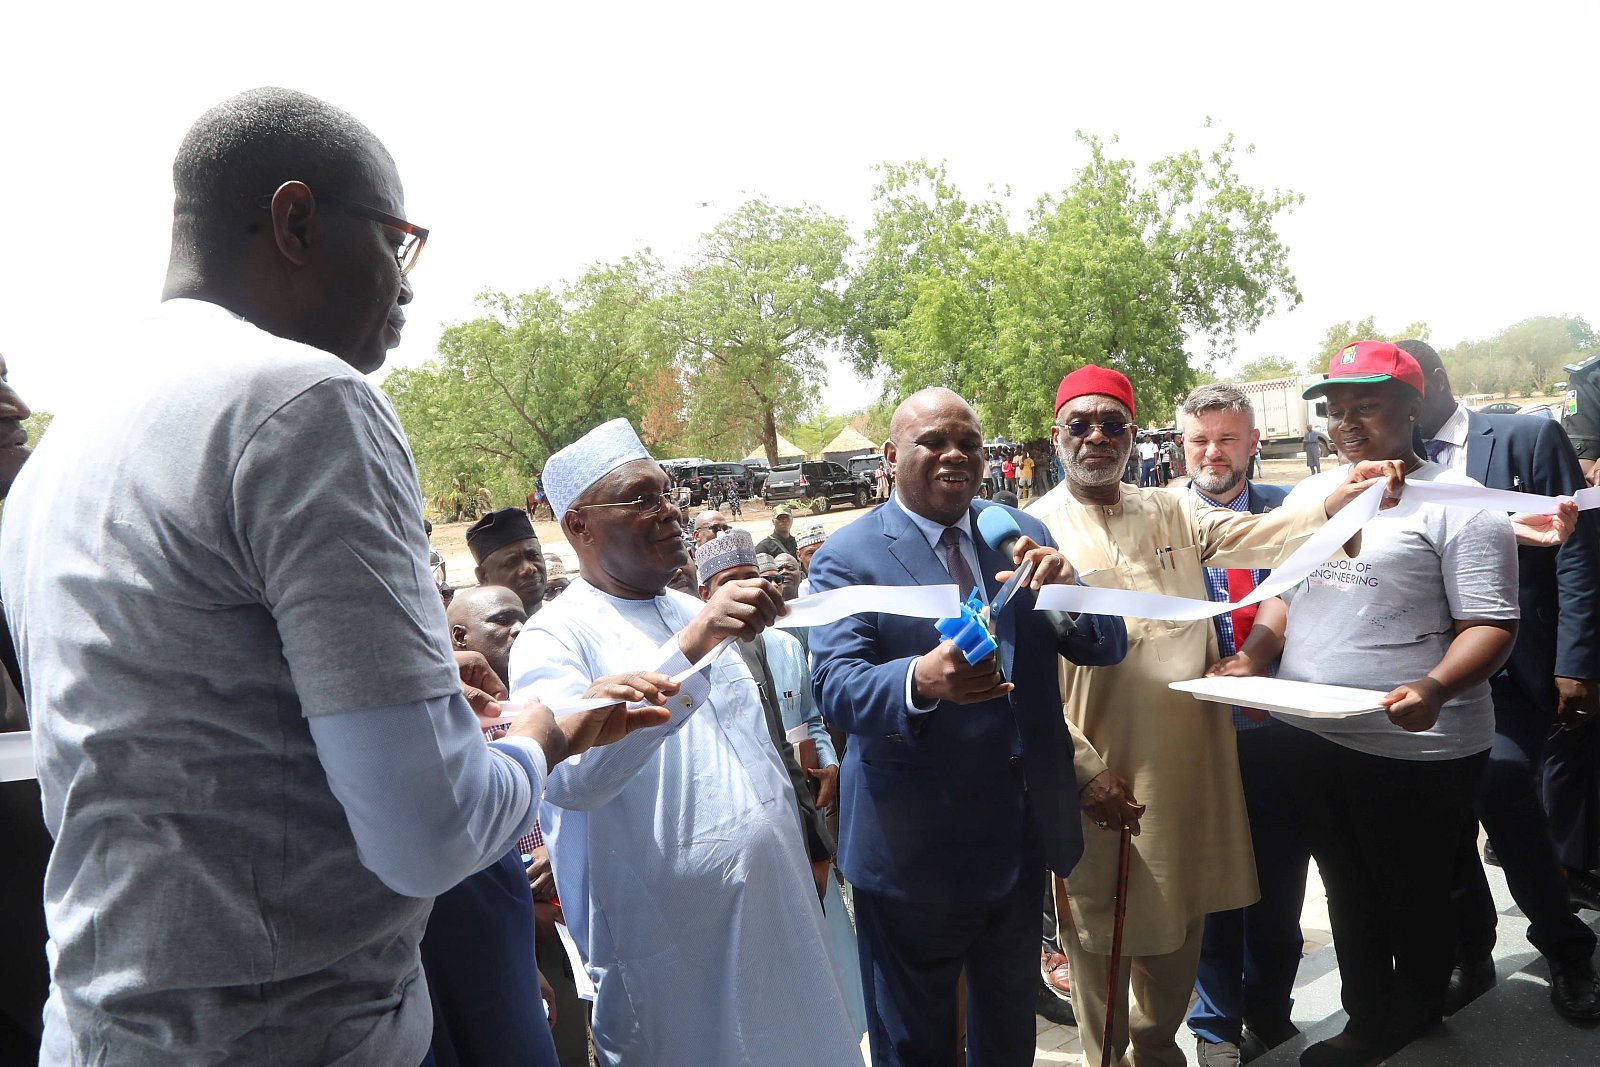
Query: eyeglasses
x=410, y=249
x=720, y=527
x=648, y=502
x=1080, y=429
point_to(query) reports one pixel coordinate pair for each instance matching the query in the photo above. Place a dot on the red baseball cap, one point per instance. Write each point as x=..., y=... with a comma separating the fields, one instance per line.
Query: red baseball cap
x=1097, y=381
x=1363, y=362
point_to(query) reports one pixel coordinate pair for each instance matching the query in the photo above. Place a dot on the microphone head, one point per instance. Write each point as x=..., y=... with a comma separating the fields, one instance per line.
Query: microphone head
x=997, y=526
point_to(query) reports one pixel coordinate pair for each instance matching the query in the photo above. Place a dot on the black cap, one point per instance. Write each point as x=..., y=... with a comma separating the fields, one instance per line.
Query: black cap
x=498, y=529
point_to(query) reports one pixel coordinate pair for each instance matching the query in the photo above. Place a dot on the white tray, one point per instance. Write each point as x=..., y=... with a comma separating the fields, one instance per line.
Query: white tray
x=16, y=756
x=1304, y=699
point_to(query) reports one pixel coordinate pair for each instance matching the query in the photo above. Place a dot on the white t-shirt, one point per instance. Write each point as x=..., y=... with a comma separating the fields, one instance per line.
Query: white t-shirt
x=1147, y=450
x=228, y=541
x=1387, y=616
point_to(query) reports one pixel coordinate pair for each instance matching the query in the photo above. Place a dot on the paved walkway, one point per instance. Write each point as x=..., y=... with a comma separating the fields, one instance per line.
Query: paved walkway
x=1512, y=1024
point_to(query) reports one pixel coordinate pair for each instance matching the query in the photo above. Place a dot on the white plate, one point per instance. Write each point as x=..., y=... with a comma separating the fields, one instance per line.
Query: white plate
x=1304, y=699
x=16, y=756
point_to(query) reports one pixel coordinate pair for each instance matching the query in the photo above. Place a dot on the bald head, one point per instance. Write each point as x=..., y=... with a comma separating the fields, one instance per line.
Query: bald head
x=936, y=449
x=915, y=408
x=245, y=147
x=289, y=213
x=486, y=619
x=1439, y=400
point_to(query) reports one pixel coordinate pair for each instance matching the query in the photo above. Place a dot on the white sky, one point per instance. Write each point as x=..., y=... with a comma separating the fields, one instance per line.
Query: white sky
x=1447, y=152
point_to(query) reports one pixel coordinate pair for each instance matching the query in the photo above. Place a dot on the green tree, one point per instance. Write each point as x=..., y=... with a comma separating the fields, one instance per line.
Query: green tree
x=1341, y=334
x=754, y=315
x=526, y=379
x=1114, y=270
x=36, y=424
x=1266, y=367
x=1525, y=358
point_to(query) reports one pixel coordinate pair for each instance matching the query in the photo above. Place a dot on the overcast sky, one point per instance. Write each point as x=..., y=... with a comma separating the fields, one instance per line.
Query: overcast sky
x=1448, y=153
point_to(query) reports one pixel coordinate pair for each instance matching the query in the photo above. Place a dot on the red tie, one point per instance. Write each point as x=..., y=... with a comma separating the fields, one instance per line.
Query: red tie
x=1240, y=584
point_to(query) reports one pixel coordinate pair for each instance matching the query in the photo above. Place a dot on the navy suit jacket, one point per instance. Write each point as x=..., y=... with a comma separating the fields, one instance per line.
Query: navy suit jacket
x=1560, y=630
x=958, y=805
x=1266, y=497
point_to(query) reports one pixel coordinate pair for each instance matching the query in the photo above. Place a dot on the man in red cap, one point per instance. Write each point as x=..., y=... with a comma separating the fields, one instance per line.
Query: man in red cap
x=1170, y=769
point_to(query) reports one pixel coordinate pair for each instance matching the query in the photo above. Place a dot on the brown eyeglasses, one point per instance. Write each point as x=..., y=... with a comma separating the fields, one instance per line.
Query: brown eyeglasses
x=411, y=244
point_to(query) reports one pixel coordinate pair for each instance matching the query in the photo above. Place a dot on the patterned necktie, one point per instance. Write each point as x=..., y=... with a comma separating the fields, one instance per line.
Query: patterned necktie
x=955, y=561
x=1240, y=584
x=1436, y=448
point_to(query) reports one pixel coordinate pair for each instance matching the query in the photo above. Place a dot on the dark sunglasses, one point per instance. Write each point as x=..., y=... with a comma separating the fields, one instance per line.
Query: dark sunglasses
x=1081, y=429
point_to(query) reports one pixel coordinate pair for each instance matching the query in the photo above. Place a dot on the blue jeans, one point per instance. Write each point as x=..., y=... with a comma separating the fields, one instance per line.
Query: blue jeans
x=1248, y=956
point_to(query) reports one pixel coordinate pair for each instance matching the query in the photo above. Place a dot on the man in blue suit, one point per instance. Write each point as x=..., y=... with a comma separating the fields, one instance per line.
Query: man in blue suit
x=1249, y=955
x=957, y=786
x=1550, y=680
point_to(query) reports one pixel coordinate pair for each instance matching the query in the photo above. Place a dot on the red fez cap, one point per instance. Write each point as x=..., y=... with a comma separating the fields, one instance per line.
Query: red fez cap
x=1097, y=381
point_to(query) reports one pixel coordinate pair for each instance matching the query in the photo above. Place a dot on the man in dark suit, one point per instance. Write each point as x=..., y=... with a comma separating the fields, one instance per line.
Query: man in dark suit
x=1249, y=955
x=1550, y=680
x=957, y=786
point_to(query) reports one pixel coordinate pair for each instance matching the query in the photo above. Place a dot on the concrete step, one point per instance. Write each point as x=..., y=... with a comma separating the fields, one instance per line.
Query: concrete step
x=1511, y=1024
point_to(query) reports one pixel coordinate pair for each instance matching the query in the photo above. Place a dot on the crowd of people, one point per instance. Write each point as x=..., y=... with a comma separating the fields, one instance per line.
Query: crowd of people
x=304, y=802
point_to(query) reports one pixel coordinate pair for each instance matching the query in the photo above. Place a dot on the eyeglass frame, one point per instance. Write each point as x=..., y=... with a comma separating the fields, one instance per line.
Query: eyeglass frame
x=662, y=500
x=403, y=257
x=1091, y=427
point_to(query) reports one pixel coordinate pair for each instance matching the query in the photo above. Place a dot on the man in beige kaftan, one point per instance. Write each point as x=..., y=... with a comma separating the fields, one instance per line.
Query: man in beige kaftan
x=1140, y=743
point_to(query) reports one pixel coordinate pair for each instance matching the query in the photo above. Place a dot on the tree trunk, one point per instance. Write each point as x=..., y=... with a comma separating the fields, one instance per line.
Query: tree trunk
x=769, y=435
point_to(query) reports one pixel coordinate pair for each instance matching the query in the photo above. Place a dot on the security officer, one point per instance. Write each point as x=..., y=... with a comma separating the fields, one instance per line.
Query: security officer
x=1581, y=417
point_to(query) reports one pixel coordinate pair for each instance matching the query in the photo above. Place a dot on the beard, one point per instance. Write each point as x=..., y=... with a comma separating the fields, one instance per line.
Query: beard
x=1110, y=474
x=1217, y=486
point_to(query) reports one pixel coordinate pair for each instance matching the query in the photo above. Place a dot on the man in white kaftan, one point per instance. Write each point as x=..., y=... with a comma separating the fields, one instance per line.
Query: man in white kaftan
x=679, y=861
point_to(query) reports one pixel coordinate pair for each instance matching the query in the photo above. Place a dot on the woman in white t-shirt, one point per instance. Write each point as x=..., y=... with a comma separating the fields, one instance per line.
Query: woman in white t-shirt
x=1427, y=612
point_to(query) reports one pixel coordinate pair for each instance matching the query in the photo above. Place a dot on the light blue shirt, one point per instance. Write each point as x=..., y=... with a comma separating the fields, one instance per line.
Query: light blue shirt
x=428, y=802
x=791, y=674
x=933, y=531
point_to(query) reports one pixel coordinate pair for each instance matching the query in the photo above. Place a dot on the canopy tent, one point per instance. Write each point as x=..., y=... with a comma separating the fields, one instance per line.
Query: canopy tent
x=849, y=443
x=786, y=450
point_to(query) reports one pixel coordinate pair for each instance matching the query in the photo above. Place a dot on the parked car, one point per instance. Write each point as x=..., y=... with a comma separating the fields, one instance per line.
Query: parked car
x=698, y=476
x=816, y=480
x=866, y=465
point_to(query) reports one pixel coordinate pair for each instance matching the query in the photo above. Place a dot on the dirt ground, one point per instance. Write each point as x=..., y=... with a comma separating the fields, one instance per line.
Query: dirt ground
x=451, y=538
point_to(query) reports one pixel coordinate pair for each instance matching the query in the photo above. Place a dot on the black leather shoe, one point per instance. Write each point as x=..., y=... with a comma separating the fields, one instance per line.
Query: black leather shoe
x=1575, y=990
x=1052, y=1007
x=1268, y=1033
x=1327, y=1054
x=1583, y=889
x=1468, y=982
x=1216, y=1053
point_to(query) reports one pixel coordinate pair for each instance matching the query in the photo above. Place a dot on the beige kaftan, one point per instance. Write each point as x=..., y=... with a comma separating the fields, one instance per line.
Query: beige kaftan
x=1193, y=855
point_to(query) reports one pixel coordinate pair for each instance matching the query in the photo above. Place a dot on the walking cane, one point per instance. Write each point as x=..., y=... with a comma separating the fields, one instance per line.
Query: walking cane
x=1119, y=912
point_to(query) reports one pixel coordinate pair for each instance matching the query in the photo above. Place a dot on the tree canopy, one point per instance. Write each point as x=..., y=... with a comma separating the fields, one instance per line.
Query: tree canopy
x=1341, y=334
x=1115, y=270
x=1523, y=359
x=751, y=319
x=529, y=377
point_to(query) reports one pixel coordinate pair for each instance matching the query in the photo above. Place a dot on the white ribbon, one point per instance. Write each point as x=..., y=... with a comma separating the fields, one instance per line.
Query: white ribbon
x=911, y=601
x=1455, y=495
x=1317, y=550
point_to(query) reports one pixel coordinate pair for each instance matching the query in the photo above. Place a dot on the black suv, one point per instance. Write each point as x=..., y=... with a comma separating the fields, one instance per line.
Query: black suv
x=827, y=482
x=697, y=477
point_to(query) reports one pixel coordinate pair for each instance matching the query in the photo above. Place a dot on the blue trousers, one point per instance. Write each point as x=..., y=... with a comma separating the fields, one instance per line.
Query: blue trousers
x=1508, y=806
x=1248, y=956
x=478, y=954
x=912, y=954
x=1571, y=789
x=1147, y=474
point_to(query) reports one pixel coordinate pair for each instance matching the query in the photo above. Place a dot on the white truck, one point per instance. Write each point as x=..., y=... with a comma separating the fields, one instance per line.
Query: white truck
x=1283, y=415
